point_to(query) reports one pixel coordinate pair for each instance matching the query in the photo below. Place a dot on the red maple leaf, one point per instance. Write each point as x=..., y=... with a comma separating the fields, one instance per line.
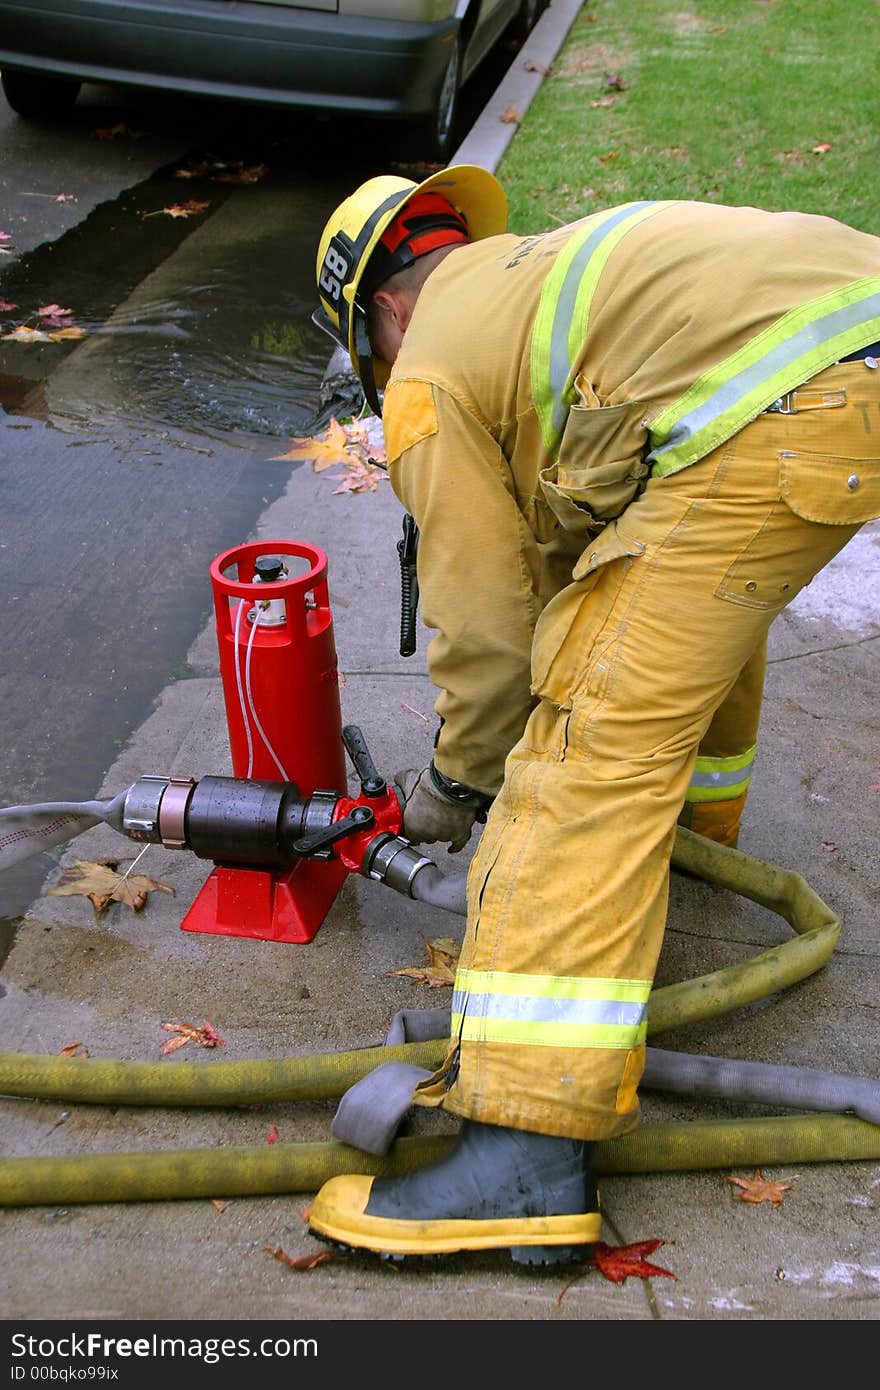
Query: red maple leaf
x=618, y=1262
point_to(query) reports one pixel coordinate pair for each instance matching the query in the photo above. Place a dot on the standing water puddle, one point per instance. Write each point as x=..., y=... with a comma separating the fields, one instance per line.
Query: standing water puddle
x=136, y=452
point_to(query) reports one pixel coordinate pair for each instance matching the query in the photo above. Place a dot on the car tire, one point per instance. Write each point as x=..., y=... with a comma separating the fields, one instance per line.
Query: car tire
x=38, y=96
x=526, y=18
x=439, y=131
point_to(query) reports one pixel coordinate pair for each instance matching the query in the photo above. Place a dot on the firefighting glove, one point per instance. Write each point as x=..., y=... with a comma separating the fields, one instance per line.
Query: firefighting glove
x=436, y=808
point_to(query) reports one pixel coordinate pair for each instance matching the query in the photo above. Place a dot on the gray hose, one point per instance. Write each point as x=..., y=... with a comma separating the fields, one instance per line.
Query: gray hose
x=447, y=891
x=797, y=1087
x=30, y=830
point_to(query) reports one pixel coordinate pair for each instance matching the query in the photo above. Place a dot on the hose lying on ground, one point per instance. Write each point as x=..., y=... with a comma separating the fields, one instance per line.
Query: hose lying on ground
x=683, y=1147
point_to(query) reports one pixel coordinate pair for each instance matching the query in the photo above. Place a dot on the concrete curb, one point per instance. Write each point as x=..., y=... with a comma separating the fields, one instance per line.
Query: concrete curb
x=490, y=135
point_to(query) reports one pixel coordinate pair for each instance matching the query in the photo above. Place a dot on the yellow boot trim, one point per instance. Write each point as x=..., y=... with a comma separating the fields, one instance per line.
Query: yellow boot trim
x=339, y=1213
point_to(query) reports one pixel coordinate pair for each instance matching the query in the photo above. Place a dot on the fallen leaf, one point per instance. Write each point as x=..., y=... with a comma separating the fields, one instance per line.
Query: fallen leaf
x=109, y=132
x=615, y=80
x=179, y=209
x=322, y=450
x=361, y=477
x=440, y=970
x=612, y=154
x=23, y=334
x=62, y=334
x=219, y=1203
x=272, y=1136
x=409, y=709
x=356, y=446
x=760, y=1189
x=621, y=1262
x=72, y=1050
x=820, y=149
x=829, y=846
x=320, y=1257
x=102, y=885
x=532, y=66
x=206, y=1036
x=54, y=311
x=604, y=101
x=510, y=116
x=252, y=175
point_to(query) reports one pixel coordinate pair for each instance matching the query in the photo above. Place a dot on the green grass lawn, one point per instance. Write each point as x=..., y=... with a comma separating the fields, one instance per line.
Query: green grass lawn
x=730, y=101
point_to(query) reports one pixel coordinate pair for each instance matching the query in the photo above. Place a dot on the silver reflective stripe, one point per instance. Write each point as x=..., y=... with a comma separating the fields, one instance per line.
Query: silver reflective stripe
x=560, y=359
x=573, y=1011
x=562, y=319
x=727, y=406
x=564, y=1011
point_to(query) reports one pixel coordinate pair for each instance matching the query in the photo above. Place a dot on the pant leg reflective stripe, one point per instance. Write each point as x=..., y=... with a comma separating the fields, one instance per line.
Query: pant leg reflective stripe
x=549, y=1011
x=721, y=779
x=801, y=343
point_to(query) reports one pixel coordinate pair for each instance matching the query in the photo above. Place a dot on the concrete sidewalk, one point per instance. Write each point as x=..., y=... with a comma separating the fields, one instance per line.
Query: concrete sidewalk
x=110, y=983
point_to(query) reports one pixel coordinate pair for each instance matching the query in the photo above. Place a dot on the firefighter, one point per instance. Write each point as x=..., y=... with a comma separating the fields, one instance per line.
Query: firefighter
x=627, y=444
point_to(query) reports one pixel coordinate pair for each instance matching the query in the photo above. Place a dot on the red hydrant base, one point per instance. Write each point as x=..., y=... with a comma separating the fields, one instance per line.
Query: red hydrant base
x=286, y=905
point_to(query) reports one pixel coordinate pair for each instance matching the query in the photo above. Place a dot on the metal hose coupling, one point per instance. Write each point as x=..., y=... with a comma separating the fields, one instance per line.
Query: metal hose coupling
x=392, y=860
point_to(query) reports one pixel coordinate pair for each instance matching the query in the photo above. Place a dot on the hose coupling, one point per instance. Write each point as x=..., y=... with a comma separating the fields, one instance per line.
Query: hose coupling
x=392, y=860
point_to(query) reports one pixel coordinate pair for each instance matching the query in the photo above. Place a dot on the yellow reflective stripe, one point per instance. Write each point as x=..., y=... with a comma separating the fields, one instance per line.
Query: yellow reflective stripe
x=721, y=779
x=560, y=326
x=552, y=986
x=798, y=345
x=549, y=1010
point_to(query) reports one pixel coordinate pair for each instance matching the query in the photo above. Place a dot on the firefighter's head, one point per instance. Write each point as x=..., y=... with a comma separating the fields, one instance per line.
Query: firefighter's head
x=381, y=230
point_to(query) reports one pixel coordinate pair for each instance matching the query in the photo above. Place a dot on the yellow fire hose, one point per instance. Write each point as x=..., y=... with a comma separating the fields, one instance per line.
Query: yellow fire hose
x=262, y=1170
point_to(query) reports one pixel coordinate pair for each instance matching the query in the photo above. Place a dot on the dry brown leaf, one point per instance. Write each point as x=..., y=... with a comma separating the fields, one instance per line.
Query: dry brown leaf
x=179, y=209
x=612, y=154
x=60, y=334
x=254, y=174
x=72, y=1050
x=353, y=446
x=219, y=1203
x=206, y=1036
x=23, y=334
x=360, y=477
x=102, y=885
x=442, y=955
x=320, y=1257
x=510, y=116
x=760, y=1189
x=821, y=149
x=109, y=132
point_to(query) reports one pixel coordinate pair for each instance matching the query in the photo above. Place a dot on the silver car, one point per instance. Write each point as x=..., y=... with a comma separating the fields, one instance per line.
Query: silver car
x=376, y=58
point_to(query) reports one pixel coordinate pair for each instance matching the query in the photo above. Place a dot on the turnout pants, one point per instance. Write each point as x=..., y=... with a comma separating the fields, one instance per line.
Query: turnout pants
x=567, y=893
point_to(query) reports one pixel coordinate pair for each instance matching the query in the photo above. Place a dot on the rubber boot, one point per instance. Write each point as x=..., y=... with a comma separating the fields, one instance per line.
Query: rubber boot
x=499, y=1188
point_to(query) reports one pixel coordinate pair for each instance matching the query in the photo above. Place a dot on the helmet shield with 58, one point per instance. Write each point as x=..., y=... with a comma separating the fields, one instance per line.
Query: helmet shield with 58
x=386, y=224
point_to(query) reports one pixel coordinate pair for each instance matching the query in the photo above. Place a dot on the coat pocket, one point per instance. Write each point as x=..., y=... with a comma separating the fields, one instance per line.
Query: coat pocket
x=829, y=489
x=600, y=467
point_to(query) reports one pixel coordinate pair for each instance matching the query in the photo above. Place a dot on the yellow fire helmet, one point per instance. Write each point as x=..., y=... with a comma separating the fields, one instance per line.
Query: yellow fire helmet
x=386, y=224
